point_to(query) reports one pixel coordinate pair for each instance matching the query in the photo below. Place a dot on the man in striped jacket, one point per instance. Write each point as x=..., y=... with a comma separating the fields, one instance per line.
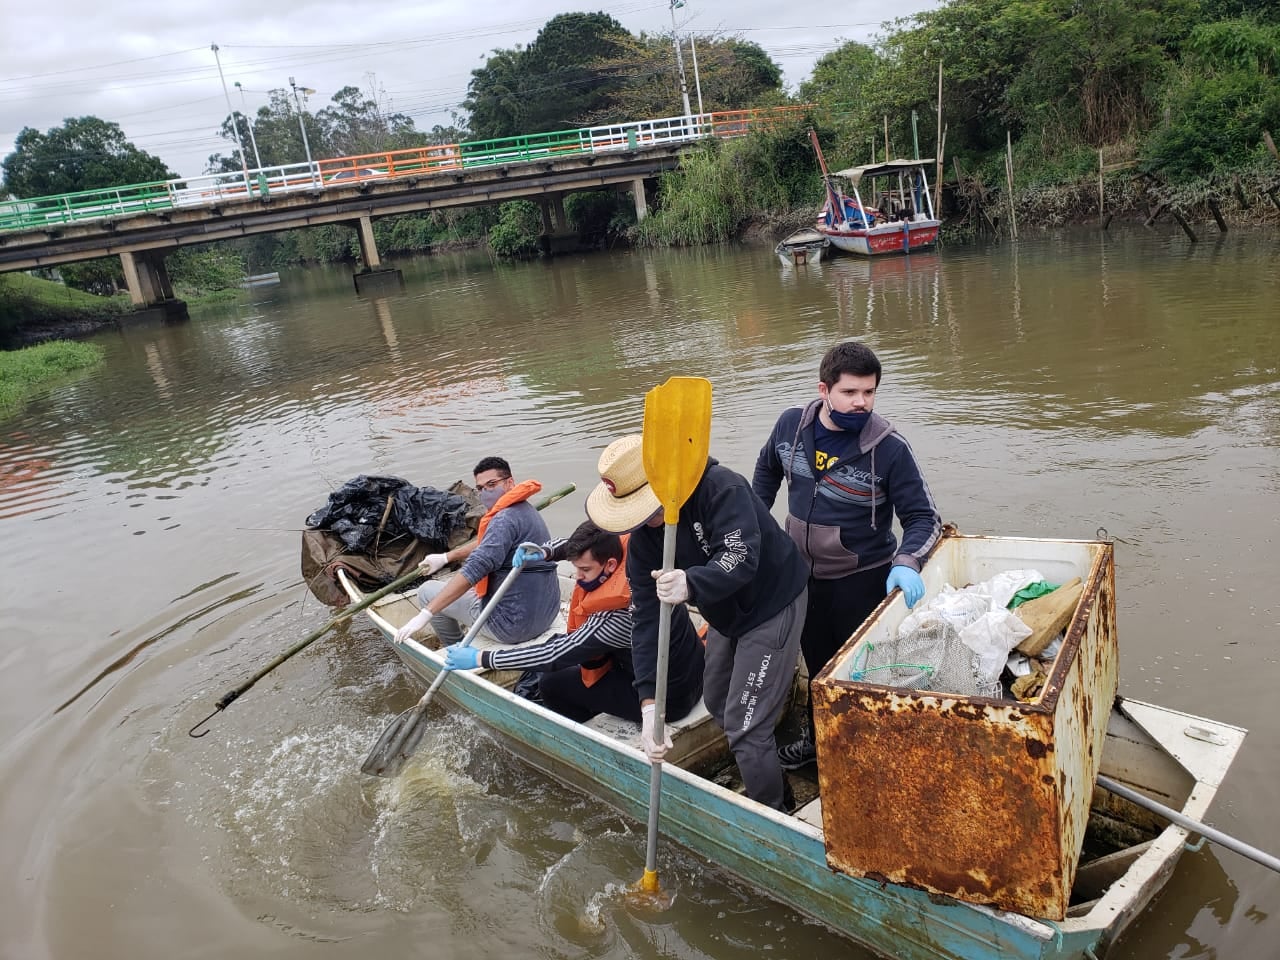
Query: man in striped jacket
x=587, y=670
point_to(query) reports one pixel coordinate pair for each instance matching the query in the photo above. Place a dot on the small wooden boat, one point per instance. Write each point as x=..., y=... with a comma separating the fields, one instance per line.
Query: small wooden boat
x=1167, y=755
x=897, y=215
x=259, y=280
x=802, y=247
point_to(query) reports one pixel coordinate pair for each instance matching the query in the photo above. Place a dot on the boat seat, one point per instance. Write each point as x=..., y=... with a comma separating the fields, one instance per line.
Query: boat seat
x=811, y=813
x=628, y=732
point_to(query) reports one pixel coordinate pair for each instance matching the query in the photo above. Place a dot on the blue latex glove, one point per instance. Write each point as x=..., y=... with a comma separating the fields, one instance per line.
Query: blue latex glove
x=526, y=552
x=458, y=657
x=907, y=580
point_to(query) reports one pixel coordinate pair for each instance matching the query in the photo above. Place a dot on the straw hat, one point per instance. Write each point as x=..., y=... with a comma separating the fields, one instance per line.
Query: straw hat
x=623, y=499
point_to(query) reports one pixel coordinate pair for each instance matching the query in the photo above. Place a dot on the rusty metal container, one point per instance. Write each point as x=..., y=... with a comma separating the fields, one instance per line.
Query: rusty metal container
x=980, y=799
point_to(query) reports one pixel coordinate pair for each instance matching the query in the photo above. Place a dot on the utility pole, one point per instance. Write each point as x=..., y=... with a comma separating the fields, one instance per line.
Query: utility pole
x=249, y=120
x=235, y=127
x=697, y=84
x=675, y=40
x=303, y=126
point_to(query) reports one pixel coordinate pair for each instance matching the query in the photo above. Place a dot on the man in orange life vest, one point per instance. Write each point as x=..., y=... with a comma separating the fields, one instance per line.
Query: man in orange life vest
x=531, y=603
x=587, y=670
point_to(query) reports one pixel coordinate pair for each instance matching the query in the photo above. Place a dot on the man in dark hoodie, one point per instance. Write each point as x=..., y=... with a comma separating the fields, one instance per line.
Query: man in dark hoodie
x=848, y=472
x=747, y=580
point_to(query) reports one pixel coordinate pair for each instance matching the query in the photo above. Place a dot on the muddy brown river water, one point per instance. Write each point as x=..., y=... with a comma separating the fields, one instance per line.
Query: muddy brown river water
x=151, y=513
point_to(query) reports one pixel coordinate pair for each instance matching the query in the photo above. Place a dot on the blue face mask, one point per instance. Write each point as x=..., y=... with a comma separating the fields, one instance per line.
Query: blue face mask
x=597, y=583
x=853, y=422
x=490, y=497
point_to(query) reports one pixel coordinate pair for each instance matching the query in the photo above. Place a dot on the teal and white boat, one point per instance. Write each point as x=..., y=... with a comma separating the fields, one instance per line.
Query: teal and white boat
x=1172, y=757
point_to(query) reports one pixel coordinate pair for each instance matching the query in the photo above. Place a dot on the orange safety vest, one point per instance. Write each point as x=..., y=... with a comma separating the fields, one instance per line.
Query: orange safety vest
x=518, y=494
x=613, y=594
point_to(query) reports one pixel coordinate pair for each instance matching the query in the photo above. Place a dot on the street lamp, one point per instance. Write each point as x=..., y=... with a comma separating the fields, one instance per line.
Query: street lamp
x=235, y=127
x=307, y=91
x=684, y=85
x=249, y=120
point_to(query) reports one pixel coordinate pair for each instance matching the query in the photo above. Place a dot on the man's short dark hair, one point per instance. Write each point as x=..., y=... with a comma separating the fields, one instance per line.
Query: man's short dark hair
x=589, y=538
x=492, y=463
x=849, y=357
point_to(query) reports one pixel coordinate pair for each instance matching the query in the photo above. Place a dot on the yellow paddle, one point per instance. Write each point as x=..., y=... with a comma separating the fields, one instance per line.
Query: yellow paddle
x=677, y=436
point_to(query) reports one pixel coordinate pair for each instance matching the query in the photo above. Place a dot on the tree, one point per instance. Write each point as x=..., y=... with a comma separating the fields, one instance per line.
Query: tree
x=840, y=78
x=85, y=153
x=358, y=124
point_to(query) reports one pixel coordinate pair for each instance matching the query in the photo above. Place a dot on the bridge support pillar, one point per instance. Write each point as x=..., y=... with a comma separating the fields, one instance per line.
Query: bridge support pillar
x=368, y=247
x=373, y=276
x=637, y=194
x=557, y=235
x=146, y=277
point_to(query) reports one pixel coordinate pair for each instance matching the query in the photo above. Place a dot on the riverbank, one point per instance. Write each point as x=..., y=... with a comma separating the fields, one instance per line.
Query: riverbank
x=34, y=311
x=27, y=371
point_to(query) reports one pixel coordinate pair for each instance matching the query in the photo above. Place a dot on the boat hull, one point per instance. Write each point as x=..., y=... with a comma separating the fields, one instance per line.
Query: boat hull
x=801, y=255
x=786, y=856
x=884, y=240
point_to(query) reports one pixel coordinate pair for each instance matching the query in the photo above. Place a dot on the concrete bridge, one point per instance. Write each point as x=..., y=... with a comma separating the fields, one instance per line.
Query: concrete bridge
x=142, y=224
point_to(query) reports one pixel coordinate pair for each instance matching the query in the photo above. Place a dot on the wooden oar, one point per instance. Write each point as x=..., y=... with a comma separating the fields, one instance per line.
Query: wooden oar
x=347, y=613
x=1194, y=826
x=677, y=437
x=402, y=735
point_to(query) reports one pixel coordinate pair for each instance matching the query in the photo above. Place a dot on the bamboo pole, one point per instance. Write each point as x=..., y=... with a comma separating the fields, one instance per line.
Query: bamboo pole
x=886, y=138
x=942, y=143
x=937, y=184
x=1008, y=174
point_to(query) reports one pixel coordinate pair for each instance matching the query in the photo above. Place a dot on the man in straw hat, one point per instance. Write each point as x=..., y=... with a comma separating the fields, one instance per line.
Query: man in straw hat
x=747, y=580
x=848, y=471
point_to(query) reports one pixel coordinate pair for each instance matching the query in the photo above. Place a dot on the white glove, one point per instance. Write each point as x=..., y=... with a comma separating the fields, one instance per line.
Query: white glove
x=413, y=626
x=654, y=750
x=433, y=562
x=673, y=587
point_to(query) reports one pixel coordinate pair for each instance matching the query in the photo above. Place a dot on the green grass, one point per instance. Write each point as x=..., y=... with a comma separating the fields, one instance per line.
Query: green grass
x=51, y=294
x=24, y=372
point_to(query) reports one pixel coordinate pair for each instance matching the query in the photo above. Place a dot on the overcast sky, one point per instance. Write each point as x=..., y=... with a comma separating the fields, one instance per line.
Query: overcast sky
x=148, y=66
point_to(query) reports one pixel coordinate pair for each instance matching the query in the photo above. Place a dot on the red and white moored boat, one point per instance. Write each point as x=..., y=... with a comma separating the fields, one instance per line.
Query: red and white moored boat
x=897, y=215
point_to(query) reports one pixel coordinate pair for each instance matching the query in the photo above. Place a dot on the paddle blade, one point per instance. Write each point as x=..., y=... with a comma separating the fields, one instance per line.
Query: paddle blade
x=397, y=743
x=677, y=438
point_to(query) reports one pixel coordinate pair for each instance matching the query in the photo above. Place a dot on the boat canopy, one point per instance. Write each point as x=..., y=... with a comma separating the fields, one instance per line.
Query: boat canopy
x=878, y=169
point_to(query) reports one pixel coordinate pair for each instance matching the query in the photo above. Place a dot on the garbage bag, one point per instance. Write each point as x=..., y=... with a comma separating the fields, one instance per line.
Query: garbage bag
x=355, y=510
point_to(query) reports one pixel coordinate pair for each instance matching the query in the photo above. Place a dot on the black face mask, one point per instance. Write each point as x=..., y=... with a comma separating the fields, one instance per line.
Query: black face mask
x=597, y=582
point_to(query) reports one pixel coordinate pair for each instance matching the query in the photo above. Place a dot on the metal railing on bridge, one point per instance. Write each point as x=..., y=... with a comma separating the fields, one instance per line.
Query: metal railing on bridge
x=207, y=191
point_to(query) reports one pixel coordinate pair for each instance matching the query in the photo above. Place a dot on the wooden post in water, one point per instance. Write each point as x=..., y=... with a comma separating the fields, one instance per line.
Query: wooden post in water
x=1217, y=214
x=886, y=138
x=1008, y=175
x=1102, y=196
x=1182, y=222
x=1156, y=215
x=1240, y=197
x=937, y=184
x=942, y=142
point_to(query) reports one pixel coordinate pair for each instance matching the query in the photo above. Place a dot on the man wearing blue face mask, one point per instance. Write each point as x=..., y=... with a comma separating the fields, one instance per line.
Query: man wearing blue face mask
x=848, y=471
x=531, y=603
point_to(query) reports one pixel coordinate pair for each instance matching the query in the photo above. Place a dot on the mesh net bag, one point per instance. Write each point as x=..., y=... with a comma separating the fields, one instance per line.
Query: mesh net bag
x=928, y=656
